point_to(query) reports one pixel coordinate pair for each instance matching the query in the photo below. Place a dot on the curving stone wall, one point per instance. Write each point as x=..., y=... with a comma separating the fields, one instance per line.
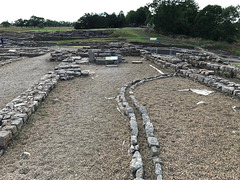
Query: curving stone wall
x=136, y=164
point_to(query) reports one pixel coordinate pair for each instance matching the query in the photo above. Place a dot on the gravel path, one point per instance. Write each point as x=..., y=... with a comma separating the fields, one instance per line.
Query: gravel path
x=83, y=136
x=18, y=76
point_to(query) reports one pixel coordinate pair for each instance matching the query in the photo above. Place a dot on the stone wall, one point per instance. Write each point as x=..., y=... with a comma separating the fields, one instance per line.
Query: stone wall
x=202, y=68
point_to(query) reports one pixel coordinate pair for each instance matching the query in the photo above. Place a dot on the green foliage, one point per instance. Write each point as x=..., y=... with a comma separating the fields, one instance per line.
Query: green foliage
x=141, y=17
x=183, y=17
x=6, y=24
x=175, y=17
x=217, y=23
x=40, y=22
x=104, y=20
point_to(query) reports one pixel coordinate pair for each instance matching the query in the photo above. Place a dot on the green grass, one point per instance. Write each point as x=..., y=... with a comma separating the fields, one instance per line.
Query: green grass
x=35, y=29
x=139, y=35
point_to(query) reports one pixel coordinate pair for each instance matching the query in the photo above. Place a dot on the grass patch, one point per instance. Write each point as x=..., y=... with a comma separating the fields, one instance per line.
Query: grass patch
x=34, y=29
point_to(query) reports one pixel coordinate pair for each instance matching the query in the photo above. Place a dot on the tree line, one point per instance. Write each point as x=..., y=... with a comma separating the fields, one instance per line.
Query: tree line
x=40, y=22
x=181, y=17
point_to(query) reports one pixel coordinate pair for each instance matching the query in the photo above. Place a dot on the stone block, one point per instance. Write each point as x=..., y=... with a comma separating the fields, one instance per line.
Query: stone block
x=149, y=129
x=18, y=123
x=145, y=118
x=228, y=90
x=136, y=162
x=134, y=127
x=139, y=173
x=5, y=137
x=11, y=128
x=158, y=169
x=134, y=140
x=154, y=151
x=152, y=141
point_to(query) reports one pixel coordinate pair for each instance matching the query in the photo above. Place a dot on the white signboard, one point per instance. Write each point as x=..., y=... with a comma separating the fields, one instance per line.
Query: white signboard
x=153, y=39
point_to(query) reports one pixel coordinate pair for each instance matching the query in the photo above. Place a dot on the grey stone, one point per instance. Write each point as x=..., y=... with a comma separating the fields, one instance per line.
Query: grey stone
x=145, y=118
x=158, y=169
x=134, y=127
x=12, y=128
x=136, y=162
x=142, y=110
x=154, y=151
x=139, y=173
x=228, y=90
x=133, y=140
x=149, y=129
x=152, y=141
x=5, y=137
x=129, y=110
x=18, y=123
x=159, y=177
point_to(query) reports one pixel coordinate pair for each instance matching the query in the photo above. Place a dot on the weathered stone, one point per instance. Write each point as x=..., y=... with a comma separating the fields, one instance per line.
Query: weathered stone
x=158, y=169
x=152, y=141
x=142, y=110
x=139, y=173
x=159, y=177
x=228, y=90
x=129, y=110
x=154, y=151
x=136, y=162
x=18, y=123
x=149, y=129
x=145, y=118
x=134, y=127
x=134, y=140
x=5, y=137
x=12, y=128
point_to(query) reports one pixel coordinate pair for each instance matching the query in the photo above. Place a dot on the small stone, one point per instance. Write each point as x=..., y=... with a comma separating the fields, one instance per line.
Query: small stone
x=5, y=137
x=154, y=151
x=158, y=169
x=152, y=141
x=133, y=140
x=149, y=129
x=136, y=162
x=18, y=123
x=25, y=155
x=139, y=173
x=55, y=100
x=85, y=72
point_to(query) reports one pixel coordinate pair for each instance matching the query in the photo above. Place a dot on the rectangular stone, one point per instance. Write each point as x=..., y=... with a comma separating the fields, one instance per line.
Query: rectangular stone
x=11, y=128
x=24, y=116
x=5, y=137
x=152, y=141
x=18, y=123
x=154, y=151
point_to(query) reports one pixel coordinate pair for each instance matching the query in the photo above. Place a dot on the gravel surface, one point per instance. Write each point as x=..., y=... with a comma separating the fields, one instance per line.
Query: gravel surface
x=196, y=141
x=16, y=77
x=82, y=136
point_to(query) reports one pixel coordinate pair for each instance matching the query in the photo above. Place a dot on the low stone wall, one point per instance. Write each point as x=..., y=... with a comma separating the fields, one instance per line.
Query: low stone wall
x=136, y=164
x=17, y=112
x=208, y=76
x=8, y=55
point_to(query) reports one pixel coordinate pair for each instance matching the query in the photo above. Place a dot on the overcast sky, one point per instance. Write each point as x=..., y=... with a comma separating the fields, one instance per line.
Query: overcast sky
x=72, y=10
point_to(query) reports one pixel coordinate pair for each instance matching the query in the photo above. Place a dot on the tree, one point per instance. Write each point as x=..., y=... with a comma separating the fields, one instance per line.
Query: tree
x=6, y=24
x=174, y=16
x=131, y=18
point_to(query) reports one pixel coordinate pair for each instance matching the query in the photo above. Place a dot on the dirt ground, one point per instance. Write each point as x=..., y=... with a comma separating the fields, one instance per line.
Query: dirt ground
x=18, y=76
x=196, y=141
x=82, y=136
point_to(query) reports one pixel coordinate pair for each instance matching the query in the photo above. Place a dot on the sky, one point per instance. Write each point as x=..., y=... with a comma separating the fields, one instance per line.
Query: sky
x=72, y=10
